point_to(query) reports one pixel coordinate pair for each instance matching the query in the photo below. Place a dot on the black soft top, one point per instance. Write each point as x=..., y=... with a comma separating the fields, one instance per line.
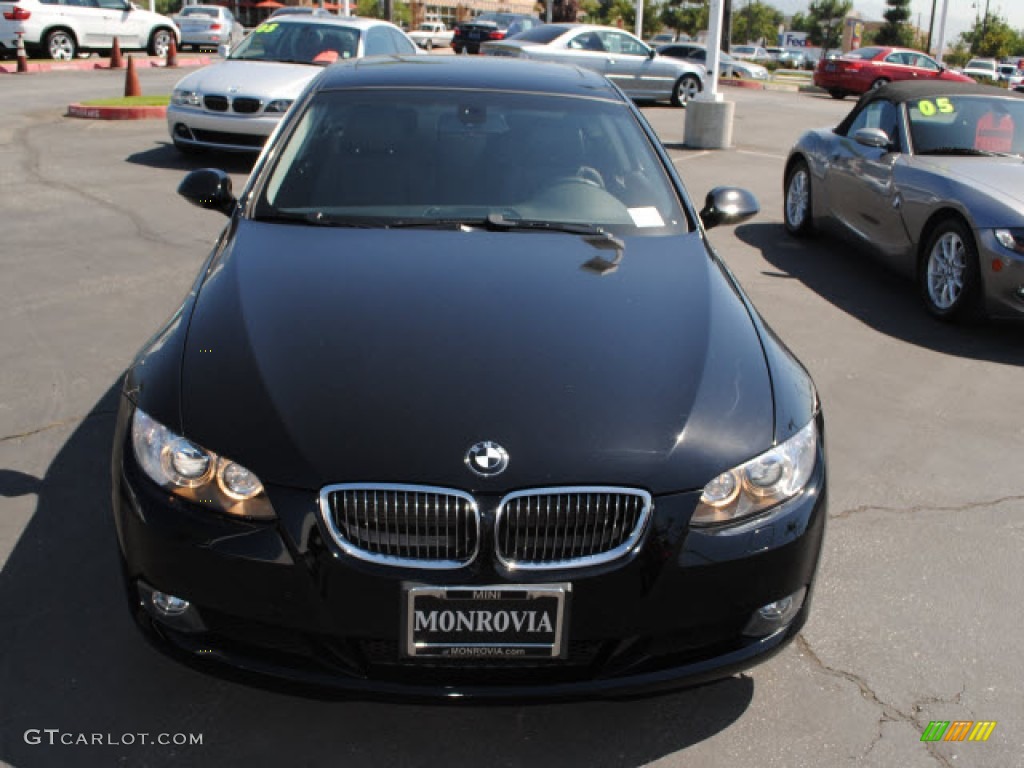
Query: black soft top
x=905, y=91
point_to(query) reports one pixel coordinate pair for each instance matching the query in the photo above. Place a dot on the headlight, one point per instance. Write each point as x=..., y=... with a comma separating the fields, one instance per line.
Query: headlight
x=185, y=98
x=278, y=105
x=762, y=482
x=1013, y=239
x=188, y=470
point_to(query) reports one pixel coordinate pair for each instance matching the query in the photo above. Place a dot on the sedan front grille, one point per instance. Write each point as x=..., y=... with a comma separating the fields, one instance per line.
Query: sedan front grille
x=216, y=103
x=569, y=527
x=246, y=106
x=410, y=525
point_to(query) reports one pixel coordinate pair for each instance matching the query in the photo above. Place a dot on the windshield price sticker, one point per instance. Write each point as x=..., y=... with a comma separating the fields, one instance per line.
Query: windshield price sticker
x=263, y=29
x=928, y=108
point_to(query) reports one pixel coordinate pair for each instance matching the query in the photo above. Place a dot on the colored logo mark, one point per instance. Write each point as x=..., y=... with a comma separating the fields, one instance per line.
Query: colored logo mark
x=958, y=730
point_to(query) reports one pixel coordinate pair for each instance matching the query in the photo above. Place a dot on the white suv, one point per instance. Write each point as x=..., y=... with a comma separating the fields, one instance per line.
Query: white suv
x=63, y=28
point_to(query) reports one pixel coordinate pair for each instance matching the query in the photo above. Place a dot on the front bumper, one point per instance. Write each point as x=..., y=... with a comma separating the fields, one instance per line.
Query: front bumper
x=281, y=601
x=224, y=131
x=1002, y=277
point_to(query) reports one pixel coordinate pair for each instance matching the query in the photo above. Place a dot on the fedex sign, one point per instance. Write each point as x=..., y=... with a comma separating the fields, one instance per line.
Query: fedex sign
x=793, y=39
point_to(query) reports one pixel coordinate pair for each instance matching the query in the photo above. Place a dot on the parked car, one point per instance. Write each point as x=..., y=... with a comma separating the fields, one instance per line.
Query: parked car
x=728, y=66
x=301, y=10
x=62, y=29
x=942, y=204
x=615, y=482
x=1008, y=71
x=208, y=26
x=861, y=70
x=431, y=33
x=468, y=35
x=662, y=38
x=982, y=69
x=623, y=58
x=794, y=59
x=236, y=104
x=750, y=53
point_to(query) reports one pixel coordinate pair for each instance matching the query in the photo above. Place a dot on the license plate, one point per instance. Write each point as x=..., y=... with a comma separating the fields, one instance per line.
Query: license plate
x=474, y=35
x=499, y=622
x=830, y=67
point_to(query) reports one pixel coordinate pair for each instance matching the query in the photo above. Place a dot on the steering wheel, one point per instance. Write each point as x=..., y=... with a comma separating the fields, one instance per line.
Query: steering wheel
x=585, y=174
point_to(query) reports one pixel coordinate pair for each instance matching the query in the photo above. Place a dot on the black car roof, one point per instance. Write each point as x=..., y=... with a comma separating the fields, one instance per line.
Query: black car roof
x=473, y=72
x=912, y=90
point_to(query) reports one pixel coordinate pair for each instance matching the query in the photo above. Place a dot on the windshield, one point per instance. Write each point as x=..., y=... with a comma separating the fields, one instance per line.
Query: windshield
x=194, y=11
x=450, y=158
x=967, y=125
x=303, y=42
x=981, y=64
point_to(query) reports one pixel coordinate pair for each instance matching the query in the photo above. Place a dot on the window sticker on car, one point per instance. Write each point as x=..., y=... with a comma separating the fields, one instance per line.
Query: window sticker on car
x=646, y=217
x=263, y=29
x=941, y=104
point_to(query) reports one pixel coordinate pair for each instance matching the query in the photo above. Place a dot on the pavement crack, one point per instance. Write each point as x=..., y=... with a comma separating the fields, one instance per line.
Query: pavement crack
x=890, y=712
x=927, y=507
x=32, y=165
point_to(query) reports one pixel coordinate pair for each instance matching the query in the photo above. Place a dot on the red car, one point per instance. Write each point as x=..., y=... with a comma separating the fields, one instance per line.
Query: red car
x=861, y=70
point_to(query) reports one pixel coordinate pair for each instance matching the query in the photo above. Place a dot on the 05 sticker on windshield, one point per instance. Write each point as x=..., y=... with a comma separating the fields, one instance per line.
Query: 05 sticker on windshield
x=932, y=107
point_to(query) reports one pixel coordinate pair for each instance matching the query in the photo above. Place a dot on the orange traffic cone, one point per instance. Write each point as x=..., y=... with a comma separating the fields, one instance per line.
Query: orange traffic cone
x=22, y=58
x=172, y=54
x=131, y=80
x=116, y=59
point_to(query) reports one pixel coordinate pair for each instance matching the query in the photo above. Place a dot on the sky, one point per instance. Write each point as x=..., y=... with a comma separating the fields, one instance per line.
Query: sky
x=959, y=18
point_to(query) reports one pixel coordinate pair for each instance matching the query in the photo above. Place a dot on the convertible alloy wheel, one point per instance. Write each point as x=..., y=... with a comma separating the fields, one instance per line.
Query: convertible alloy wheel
x=949, y=272
x=798, y=199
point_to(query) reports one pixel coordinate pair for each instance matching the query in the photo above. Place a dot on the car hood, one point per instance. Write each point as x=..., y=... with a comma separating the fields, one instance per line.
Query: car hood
x=248, y=78
x=999, y=177
x=319, y=355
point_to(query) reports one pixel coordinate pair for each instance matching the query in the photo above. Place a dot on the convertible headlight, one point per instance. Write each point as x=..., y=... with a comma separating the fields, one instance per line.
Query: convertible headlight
x=185, y=98
x=1012, y=239
x=188, y=470
x=278, y=105
x=762, y=482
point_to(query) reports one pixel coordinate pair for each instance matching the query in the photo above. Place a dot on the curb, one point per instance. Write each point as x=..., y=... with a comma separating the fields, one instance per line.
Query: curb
x=88, y=65
x=116, y=113
x=742, y=83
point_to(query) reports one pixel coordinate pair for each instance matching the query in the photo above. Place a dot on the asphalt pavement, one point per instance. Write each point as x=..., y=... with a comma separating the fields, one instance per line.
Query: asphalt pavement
x=918, y=605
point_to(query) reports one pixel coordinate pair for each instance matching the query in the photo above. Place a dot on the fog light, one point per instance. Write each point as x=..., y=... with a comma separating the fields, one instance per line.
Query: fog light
x=772, y=617
x=169, y=605
x=174, y=612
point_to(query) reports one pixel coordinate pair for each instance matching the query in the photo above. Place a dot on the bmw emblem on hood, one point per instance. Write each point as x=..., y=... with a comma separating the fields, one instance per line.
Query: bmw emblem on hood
x=487, y=459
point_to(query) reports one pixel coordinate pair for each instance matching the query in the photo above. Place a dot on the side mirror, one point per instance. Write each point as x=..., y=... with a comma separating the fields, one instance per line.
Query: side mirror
x=872, y=137
x=209, y=188
x=728, y=205
x=651, y=53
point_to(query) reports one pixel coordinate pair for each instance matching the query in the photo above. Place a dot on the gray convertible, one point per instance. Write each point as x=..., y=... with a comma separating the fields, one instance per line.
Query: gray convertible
x=930, y=176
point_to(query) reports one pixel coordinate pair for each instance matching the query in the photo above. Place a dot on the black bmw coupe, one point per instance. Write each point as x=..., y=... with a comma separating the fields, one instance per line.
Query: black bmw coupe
x=426, y=432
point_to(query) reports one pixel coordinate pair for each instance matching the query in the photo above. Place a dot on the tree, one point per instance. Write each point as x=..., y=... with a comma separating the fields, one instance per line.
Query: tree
x=992, y=36
x=684, y=16
x=823, y=22
x=896, y=30
x=756, y=21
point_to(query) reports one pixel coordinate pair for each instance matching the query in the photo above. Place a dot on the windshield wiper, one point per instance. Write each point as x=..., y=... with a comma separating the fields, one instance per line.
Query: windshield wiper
x=965, y=151
x=317, y=218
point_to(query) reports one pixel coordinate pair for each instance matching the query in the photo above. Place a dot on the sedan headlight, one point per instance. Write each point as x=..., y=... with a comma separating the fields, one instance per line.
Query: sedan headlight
x=185, y=469
x=762, y=482
x=1013, y=239
x=278, y=105
x=185, y=98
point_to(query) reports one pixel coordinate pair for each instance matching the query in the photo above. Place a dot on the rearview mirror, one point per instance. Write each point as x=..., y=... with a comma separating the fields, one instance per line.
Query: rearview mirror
x=209, y=188
x=728, y=205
